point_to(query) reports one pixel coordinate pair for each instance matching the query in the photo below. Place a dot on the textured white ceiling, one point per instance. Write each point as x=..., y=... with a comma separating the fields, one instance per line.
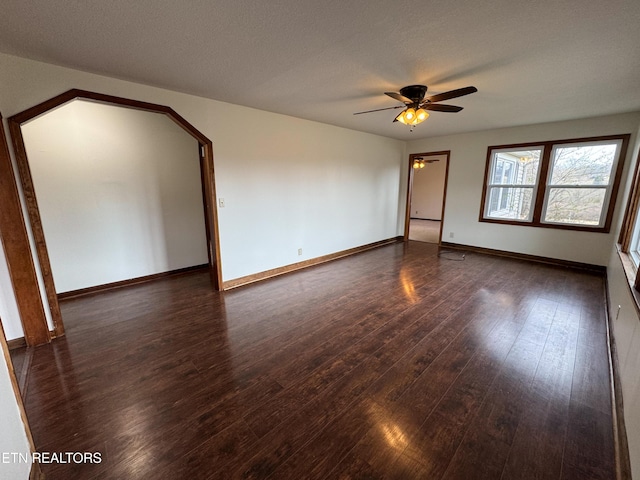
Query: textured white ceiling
x=532, y=62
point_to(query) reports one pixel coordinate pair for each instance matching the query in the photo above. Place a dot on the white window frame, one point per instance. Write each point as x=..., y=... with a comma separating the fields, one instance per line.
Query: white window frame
x=490, y=185
x=635, y=243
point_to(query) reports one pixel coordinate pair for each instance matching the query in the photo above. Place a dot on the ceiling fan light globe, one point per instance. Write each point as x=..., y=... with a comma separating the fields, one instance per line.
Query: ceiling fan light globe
x=421, y=115
x=409, y=115
x=400, y=118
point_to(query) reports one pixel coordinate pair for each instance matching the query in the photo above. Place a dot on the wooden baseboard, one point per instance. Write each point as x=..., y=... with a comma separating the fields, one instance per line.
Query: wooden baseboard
x=256, y=277
x=621, y=446
x=16, y=343
x=524, y=256
x=128, y=282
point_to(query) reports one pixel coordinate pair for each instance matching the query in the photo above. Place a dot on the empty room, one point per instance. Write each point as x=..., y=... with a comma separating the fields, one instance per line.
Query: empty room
x=302, y=240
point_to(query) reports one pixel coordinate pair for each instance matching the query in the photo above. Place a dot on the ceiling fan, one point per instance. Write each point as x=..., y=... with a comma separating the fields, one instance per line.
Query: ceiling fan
x=416, y=105
x=420, y=162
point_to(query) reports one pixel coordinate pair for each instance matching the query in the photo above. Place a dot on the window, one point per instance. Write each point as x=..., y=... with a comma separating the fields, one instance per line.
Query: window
x=635, y=244
x=511, y=188
x=629, y=240
x=568, y=184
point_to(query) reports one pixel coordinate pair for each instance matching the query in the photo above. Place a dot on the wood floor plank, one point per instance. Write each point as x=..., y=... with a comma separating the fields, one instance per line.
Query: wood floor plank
x=589, y=445
x=537, y=449
x=591, y=374
x=393, y=363
x=444, y=428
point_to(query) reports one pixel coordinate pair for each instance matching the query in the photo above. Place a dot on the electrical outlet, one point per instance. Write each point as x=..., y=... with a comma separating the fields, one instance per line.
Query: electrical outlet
x=451, y=234
x=299, y=251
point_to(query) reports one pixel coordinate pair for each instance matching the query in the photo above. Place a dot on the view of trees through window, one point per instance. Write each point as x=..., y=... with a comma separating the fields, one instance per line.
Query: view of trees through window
x=579, y=179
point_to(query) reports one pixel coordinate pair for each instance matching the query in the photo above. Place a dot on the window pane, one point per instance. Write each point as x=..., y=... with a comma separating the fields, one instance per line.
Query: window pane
x=575, y=206
x=498, y=171
x=634, y=245
x=510, y=203
x=518, y=167
x=583, y=165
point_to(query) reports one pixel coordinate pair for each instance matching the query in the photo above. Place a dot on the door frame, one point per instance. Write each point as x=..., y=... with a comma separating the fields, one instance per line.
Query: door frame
x=13, y=234
x=24, y=174
x=18, y=253
x=407, y=215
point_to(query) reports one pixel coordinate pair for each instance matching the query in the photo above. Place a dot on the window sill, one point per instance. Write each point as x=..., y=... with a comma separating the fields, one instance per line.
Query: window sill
x=630, y=271
x=555, y=226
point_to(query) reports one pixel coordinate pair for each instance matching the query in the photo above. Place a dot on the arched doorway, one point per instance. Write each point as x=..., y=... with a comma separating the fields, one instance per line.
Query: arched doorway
x=37, y=325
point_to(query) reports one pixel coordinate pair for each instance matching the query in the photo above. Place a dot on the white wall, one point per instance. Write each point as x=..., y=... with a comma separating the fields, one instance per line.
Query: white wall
x=287, y=183
x=297, y=184
x=428, y=189
x=464, y=191
x=626, y=328
x=13, y=438
x=8, y=306
x=119, y=193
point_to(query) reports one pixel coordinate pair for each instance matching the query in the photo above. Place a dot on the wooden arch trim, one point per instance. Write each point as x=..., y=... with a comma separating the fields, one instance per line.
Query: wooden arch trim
x=24, y=172
x=15, y=241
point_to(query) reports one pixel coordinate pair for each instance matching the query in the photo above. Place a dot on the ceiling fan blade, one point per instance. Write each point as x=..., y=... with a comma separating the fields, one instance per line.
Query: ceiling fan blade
x=452, y=94
x=436, y=107
x=380, y=109
x=399, y=97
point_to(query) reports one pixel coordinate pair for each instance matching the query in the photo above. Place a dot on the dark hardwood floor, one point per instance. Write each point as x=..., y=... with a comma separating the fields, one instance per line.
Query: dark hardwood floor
x=391, y=364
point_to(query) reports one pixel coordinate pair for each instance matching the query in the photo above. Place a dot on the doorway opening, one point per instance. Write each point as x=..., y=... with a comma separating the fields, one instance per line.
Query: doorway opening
x=426, y=195
x=207, y=195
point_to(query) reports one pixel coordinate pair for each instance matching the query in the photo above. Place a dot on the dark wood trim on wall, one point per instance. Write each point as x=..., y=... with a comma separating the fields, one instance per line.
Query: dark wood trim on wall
x=211, y=217
x=36, y=227
x=525, y=256
x=16, y=343
x=407, y=209
x=130, y=281
x=207, y=177
x=256, y=277
x=15, y=240
x=407, y=215
x=542, y=183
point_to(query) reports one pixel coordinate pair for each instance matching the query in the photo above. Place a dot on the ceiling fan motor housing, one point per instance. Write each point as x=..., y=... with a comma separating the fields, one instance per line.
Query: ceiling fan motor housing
x=414, y=92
